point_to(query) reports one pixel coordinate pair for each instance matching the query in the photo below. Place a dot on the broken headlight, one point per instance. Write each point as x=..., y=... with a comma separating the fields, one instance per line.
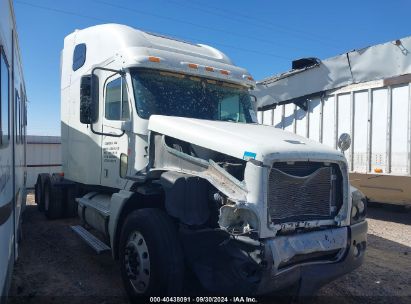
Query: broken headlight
x=238, y=221
x=359, y=206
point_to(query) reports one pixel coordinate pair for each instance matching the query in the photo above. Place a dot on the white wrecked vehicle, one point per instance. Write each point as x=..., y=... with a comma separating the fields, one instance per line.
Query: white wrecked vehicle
x=162, y=151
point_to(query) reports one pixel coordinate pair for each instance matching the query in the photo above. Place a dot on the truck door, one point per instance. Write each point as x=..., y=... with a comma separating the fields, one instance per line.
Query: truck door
x=116, y=114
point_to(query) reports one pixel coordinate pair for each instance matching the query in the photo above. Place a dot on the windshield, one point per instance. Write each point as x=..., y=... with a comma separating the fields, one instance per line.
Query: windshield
x=172, y=94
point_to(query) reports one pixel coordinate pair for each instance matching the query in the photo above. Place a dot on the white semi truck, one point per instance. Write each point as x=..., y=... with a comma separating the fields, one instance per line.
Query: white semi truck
x=164, y=156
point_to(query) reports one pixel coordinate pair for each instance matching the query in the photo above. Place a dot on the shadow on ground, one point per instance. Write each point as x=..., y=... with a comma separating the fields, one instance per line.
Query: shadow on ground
x=55, y=266
x=391, y=213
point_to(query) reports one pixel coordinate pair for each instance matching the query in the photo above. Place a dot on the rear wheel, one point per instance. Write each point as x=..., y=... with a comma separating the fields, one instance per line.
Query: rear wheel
x=39, y=190
x=150, y=255
x=53, y=198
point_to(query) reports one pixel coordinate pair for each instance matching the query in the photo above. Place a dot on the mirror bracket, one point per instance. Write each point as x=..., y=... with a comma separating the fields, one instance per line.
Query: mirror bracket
x=126, y=126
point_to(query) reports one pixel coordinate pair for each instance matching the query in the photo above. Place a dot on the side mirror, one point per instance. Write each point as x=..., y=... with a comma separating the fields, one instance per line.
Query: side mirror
x=344, y=142
x=89, y=99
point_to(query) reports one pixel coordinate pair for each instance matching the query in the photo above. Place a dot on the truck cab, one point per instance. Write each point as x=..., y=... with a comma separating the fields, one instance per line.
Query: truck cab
x=163, y=154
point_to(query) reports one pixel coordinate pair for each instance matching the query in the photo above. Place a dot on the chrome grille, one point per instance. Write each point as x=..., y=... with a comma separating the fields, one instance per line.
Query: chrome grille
x=302, y=191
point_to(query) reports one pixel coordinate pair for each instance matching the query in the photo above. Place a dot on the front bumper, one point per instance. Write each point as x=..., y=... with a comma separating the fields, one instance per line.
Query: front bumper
x=310, y=276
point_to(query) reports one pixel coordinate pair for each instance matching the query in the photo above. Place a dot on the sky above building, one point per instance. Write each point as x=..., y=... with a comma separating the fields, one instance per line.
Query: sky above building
x=263, y=36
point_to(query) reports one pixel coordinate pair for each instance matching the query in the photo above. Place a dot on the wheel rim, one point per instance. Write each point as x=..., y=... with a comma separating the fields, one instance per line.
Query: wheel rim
x=137, y=262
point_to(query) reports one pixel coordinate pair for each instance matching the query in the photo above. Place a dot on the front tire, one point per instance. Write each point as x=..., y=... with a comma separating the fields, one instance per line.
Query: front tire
x=150, y=255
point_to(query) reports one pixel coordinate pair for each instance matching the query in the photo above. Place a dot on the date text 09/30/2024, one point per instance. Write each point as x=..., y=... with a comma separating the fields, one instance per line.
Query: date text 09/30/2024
x=203, y=300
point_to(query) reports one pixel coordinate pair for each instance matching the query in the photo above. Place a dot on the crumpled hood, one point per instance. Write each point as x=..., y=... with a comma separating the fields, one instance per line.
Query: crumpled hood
x=244, y=141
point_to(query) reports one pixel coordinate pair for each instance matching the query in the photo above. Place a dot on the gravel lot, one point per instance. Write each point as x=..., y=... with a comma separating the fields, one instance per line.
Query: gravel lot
x=55, y=266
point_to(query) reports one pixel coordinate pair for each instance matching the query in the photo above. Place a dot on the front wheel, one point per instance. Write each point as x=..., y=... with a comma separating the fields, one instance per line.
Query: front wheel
x=150, y=254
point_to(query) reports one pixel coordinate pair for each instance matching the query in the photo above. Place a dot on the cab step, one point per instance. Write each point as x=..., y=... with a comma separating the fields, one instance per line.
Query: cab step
x=90, y=239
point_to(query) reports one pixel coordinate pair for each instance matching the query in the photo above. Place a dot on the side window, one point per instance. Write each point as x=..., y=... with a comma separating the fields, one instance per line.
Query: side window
x=22, y=120
x=23, y=117
x=79, y=56
x=17, y=119
x=116, y=100
x=4, y=99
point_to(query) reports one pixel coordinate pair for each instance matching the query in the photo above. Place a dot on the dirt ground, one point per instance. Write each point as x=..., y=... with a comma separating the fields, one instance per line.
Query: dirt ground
x=55, y=266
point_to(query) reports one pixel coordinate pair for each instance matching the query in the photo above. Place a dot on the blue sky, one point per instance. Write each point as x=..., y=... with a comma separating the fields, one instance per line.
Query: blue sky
x=263, y=36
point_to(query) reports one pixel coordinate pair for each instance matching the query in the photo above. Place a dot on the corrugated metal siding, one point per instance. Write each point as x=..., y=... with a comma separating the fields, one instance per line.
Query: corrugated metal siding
x=43, y=156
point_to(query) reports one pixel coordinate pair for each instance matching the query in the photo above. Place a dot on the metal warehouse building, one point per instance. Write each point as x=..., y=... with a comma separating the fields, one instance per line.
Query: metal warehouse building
x=43, y=156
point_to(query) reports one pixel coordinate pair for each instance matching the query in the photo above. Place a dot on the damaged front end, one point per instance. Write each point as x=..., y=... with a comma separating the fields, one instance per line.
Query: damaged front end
x=250, y=228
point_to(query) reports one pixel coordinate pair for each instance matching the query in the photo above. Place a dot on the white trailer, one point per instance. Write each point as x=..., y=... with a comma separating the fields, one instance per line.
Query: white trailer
x=163, y=154
x=365, y=93
x=12, y=144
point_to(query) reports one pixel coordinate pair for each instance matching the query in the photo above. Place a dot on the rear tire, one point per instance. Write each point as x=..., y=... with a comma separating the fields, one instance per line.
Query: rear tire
x=39, y=190
x=53, y=198
x=151, y=257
